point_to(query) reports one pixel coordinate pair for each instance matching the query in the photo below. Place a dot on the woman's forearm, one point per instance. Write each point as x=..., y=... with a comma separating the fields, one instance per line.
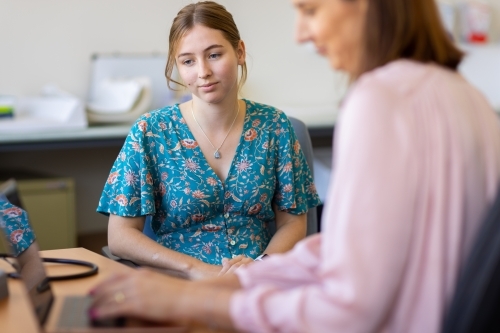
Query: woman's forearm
x=183, y=302
x=127, y=241
x=290, y=230
x=206, y=305
x=228, y=281
x=131, y=244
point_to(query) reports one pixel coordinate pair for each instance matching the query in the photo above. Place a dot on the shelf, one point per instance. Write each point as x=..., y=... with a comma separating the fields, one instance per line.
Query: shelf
x=320, y=126
x=94, y=136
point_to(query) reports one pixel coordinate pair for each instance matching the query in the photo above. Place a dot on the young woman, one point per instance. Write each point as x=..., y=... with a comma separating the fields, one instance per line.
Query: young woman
x=417, y=163
x=214, y=171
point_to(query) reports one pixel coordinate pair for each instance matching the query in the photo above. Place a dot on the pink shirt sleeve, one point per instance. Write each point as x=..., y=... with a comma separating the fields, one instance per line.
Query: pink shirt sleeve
x=345, y=279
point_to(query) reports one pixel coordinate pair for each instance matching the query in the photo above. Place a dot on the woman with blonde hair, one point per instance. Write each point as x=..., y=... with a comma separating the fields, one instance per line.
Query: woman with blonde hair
x=417, y=163
x=214, y=172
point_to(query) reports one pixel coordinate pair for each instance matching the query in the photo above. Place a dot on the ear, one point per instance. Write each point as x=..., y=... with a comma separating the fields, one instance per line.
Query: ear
x=241, y=53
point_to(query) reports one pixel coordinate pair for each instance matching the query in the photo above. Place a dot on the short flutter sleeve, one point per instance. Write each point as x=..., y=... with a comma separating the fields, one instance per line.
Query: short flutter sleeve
x=129, y=189
x=295, y=189
x=16, y=227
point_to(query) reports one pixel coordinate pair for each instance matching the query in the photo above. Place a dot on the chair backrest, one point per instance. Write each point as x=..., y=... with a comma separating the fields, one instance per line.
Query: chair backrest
x=148, y=230
x=475, y=305
x=306, y=145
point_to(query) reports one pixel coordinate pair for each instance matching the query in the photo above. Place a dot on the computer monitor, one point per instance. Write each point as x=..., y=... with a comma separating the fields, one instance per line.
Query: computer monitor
x=8, y=190
x=26, y=259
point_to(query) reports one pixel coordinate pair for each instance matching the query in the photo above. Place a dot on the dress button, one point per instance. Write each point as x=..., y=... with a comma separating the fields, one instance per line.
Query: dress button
x=226, y=215
x=232, y=242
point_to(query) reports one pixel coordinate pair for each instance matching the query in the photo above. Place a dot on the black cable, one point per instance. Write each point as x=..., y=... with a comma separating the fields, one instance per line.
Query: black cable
x=92, y=271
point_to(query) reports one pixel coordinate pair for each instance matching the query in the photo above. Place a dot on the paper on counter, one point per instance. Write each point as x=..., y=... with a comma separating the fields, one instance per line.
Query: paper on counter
x=39, y=114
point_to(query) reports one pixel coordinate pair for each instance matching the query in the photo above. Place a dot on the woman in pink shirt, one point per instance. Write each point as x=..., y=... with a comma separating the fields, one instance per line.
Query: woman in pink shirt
x=417, y=163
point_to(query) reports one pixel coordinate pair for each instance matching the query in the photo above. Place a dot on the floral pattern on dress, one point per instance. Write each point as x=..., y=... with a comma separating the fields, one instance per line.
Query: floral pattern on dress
x=161, y=171
x=16, y=227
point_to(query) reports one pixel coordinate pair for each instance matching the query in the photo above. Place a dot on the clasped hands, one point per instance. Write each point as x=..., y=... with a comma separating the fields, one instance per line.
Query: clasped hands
x=231, y=265
x=202, y=270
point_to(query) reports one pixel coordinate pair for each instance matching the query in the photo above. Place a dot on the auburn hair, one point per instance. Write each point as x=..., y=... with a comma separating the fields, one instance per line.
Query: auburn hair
x=410, y=29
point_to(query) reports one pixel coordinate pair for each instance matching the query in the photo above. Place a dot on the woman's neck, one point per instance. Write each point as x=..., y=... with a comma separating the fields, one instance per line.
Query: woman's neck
x=215, y=117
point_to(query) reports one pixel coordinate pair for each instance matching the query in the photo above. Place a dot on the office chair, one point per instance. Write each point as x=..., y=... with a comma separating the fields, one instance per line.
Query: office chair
x=312, y=218
x=305, y=143
x=475, y=306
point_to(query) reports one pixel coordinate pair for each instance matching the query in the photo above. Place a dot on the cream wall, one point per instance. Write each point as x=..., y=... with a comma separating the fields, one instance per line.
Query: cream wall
x=52, y=41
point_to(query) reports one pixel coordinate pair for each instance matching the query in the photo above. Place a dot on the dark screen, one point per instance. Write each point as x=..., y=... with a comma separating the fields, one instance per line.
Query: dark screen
x=28, y=263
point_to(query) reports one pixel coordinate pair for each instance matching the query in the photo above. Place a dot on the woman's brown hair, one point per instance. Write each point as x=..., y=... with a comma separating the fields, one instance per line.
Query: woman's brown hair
x=209, y=14
x=409, y=29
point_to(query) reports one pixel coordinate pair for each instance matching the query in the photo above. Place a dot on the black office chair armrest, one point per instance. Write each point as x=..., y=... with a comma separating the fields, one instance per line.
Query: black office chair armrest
x=107, y=253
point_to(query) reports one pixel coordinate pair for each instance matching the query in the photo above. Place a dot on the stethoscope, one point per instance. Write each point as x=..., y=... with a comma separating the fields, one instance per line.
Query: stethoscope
x=93, y=269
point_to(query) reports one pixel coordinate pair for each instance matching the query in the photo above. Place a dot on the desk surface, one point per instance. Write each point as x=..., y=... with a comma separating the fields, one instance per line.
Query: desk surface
x=15, y=312
x=95, y=136
x=15, y=315
x=89, y=133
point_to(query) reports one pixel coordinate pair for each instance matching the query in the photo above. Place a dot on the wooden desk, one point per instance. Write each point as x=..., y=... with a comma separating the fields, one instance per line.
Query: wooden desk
x=79, y=286
x=16, y=314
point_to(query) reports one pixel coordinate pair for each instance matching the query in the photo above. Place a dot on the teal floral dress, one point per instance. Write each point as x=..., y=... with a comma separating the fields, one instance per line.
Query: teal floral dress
x=162, y=172
x=16, y=228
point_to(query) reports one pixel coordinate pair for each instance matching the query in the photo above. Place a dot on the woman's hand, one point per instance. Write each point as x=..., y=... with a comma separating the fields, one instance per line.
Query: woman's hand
x=201, y=271
x=231, y=265
x=142, y=294
x=152, y=297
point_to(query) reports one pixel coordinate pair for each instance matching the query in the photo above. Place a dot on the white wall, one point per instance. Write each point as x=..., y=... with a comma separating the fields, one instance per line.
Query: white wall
x=51, y=41
x=494, y=27
x=481, y=65
x=44, y=41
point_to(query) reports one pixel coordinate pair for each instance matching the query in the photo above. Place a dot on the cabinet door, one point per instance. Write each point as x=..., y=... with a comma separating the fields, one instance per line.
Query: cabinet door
x=50, y=205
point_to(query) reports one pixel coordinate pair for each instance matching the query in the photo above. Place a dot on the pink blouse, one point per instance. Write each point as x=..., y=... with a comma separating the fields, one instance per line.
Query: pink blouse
x=417, y=163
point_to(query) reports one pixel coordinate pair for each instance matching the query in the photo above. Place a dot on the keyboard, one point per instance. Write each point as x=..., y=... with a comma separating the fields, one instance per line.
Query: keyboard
x=74, y=312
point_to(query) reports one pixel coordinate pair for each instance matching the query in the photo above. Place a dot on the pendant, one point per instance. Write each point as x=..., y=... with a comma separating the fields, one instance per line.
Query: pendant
x=217, y=154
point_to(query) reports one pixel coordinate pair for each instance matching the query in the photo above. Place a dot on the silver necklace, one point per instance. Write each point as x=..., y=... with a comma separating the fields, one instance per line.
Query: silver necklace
x=216, y=152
